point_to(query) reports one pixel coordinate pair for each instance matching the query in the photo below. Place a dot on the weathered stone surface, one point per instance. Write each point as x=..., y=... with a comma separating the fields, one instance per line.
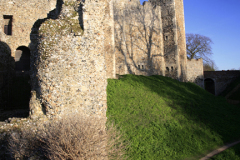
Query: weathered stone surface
x=195, y=71
x=24, y=14
x=76, y=45
x=138, y=38
x=221, y=79
x=70, y=72
x=173, y=38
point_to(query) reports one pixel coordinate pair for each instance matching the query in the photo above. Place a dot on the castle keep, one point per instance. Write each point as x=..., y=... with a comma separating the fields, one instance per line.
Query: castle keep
x=71, y=47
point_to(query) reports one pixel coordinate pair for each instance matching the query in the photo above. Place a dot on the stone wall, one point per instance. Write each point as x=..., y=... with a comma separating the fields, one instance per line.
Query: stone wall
x=68, y=55
x=181, y=39
x=138, y=38
x=109, y=40
x=221, y=79
x=6, y=74
x=195, y=71
x=24, y=14
x=172, y=15
x=76, y=45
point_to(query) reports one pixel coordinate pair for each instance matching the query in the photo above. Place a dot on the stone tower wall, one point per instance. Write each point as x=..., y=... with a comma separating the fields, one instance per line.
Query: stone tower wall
x=181, y=39
x=171, y=57
x=109, y=40
x=70, y=72
x=138, y=40
x=173, y=38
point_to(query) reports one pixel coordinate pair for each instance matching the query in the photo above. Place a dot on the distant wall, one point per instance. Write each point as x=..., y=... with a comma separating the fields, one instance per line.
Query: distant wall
x=221, y=79
x=23, y=14
x=195, y=71
x=136, y=26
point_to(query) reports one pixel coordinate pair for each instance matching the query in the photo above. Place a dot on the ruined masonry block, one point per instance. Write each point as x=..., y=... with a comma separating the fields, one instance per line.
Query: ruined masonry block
x=70, y=72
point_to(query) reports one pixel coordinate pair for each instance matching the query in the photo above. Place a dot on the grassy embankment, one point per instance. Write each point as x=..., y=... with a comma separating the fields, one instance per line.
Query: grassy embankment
x=167, y=119
x=233, y=152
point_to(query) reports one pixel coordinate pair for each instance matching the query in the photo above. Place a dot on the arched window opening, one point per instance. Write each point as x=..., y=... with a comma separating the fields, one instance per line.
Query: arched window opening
x=167, y=69
x=22, y=59
x=209, y=85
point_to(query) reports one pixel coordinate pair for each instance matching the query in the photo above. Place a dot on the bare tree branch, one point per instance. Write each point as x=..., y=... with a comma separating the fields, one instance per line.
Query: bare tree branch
x=199, y=46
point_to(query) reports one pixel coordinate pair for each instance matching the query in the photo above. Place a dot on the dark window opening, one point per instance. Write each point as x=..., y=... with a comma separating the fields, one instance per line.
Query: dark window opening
x=209, y=85
x=22, y=59
x=172, y=68
x=138, y=66
x=142, y=67
x=166, y=38
x=7, y=24
x=167, y=68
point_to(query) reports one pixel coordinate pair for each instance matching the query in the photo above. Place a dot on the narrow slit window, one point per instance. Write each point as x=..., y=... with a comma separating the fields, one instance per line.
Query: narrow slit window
x=7, y=24
x=166, y=38
x=138, y=66
x=172, y=68
x=142, y=67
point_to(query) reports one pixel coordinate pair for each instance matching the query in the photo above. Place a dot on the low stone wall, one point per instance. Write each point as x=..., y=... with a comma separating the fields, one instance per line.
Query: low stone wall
x=195, y=71
x=221, y=79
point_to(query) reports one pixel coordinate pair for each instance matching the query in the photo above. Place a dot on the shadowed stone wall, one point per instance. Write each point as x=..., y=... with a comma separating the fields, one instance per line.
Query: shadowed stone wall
x=221, y=79
x=6, y=74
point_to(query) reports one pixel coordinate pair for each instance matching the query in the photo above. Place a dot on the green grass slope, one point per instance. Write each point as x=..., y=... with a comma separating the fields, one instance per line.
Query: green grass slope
x=166, y=119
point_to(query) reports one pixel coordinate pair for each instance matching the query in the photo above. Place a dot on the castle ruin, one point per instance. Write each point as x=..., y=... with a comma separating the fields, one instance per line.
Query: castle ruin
x=71, y=47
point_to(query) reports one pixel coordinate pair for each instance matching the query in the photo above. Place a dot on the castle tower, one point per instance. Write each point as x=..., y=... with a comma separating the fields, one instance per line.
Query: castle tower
x=173, y=37
x=138, y=38
x=68, y=59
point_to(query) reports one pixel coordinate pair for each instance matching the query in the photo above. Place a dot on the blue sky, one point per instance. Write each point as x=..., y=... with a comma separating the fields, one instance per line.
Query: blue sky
x=220, y=21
